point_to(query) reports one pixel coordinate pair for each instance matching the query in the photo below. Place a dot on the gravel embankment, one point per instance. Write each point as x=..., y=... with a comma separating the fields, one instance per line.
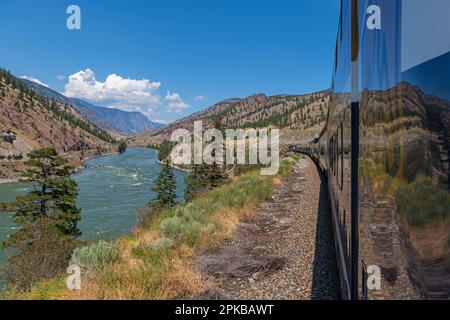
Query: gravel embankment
x=286, y=252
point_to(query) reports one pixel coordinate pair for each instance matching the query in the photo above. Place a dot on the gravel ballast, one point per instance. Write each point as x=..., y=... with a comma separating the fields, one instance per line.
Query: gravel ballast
x=285, y=253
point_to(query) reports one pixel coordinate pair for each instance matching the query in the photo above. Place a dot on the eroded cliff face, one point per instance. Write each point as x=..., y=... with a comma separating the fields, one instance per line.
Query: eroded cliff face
x=29, y=121
x=405, y=199
x=300, y=117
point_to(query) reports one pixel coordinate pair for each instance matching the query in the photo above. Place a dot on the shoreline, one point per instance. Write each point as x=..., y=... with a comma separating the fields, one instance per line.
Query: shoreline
x=175, y=167
x=75, y=170
x=83, y=162
x=162, y=163
x=83, y=166
x=8, y=181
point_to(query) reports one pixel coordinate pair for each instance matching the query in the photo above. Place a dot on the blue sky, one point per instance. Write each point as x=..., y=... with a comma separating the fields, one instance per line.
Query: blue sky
x=169, y=58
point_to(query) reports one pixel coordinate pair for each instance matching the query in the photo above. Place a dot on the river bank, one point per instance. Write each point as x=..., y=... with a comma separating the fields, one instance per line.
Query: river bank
x=6, y=181
x=172, y=165
x=175, y=167
x=112, y=190
x=157, y=262
x=12, y=170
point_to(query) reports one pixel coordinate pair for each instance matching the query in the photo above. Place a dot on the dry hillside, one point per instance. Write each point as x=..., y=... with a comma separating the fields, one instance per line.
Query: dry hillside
x=301, y=117
x=30, y=121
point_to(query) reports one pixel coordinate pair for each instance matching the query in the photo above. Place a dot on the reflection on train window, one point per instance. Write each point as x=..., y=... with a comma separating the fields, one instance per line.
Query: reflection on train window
x=331, y=153
x=336, y=149
x=364, y=278
x=341, y=157
x=344, y=228
x=338, y=163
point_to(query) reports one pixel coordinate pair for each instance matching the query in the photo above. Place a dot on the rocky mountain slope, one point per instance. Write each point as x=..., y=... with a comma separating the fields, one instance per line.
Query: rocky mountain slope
x=30, y=121
x=122, y=122
x=301, y=117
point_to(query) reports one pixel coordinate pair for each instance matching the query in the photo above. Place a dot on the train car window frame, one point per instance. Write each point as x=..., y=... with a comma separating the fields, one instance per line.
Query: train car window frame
x=336, y=150
x=364, y=278
x=338, y=162
x=341, y=155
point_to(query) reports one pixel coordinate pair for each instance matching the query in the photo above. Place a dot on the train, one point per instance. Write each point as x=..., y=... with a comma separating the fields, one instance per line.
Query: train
x=385, y=149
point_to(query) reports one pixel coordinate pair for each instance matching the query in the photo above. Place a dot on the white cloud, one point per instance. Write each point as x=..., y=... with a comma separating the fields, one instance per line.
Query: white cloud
x=61, y=77
x=33, y=79
x=176, y=104
x=124, y=93
x=201, y=98
x=118, y=92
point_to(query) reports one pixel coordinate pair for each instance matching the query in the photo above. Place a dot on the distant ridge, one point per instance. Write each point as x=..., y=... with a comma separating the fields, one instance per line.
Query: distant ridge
x=30, y=121
x=302, y=114
x=119, y=121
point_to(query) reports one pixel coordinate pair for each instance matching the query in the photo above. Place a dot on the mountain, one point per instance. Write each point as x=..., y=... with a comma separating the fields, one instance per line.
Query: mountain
x=29, y=121
x=123, y=122
x=300, y=117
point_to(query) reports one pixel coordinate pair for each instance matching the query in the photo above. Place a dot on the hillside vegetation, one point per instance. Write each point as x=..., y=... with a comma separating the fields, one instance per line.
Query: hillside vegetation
x=110, y=119
x=300, y=117
x=156, y=261
x=29, y=121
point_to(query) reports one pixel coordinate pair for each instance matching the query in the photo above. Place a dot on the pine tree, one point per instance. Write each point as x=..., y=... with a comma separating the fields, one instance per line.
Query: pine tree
x=122, y=147
x=164, y=150
x=196, y=182
x=54, y=196
x=165, y=188
x=47, y=217
x=204, y=177
x=215, y=174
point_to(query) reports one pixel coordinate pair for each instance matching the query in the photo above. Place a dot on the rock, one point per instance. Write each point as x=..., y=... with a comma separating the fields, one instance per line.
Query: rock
x=256, y=275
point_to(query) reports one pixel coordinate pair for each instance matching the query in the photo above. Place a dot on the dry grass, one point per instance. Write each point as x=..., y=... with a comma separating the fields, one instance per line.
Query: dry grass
x=229, y=222
x=183, y=279
x=277, y=181
x=157, y=268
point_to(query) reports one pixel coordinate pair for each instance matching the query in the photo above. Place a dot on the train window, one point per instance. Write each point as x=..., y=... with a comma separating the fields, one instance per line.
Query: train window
x=336, y=153
x=338, y=162
x=341, y=160
x=364, y=278
x=330, y=153
x=333, y=153
x=343, y=222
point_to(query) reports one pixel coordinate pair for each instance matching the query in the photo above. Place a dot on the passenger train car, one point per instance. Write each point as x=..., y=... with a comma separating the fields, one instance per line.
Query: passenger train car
x=385, y=149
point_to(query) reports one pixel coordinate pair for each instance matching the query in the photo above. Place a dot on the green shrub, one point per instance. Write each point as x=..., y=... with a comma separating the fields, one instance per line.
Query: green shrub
x=158, y=253
x=43, y=258
x=162, y=244
x=181, y=228
x=95, y=255
x=421, y=201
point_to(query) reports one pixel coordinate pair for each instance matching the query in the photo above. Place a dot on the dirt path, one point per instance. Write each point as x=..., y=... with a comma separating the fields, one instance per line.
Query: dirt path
x=286, y=252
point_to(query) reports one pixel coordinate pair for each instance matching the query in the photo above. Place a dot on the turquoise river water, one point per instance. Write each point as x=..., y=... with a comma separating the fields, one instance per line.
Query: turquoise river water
x=112, y=189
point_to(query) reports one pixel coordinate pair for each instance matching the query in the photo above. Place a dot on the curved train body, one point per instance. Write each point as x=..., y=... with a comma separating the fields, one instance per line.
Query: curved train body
x=386, y=147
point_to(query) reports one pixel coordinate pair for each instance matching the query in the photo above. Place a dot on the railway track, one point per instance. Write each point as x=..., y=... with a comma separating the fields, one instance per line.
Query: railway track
x=286, y=252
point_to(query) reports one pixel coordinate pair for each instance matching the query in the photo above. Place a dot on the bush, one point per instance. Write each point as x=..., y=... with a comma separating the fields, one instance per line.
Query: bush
x=95, y=255
x=181, y=228
x=164, y=150
x=422, y=202
x=41, y=259
x=122, y=147
x=157, y=254
x=162, y=244
x=146, y=216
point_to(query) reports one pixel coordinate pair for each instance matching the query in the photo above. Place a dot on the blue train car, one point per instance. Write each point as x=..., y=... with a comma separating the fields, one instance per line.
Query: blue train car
x=385, y=149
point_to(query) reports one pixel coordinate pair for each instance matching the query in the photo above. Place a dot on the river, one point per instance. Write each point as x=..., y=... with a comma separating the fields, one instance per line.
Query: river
x=112, y=189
